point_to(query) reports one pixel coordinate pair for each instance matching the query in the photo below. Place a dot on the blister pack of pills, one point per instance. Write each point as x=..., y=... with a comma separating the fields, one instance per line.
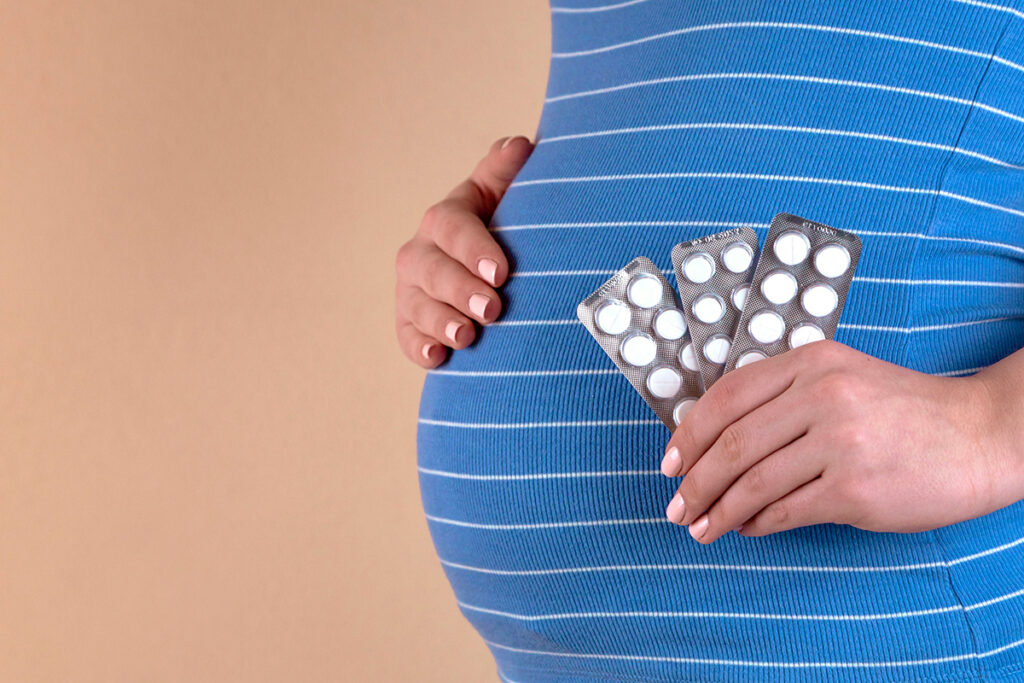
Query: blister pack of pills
x=798, y=290
x=636, y=318
x=713, y=274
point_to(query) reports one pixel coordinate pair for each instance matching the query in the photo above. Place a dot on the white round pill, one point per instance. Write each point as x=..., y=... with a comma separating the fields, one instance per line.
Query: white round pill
x=664, y=382
x=681, y=409
x=739, y=297
x=688, y=359
x=698, y=267
x=749, y=357
x=613, y=317
x=805, y=333
x=639, y=350
x=645, y=290
x=708, y=308
x=779, y=287
x=819, y=300
x=737, y=256
x=832, y=260
x=669, y=324
x=791, y=247
x=716, y=348
x=766, y=327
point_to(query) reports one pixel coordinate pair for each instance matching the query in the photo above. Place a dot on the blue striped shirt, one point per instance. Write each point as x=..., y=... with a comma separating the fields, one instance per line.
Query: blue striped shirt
x=666, y=120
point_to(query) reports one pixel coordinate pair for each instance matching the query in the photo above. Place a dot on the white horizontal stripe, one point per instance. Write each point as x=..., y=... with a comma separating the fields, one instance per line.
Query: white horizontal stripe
x=602, y=8
x=520, y=373
x=755, y=226
x=516, y=323
x=628, y=224
x=648, y=614
x=826, y=569
x=872, y=280
x=712, y=615
x=540, y=475
x=790, y=26
x=768, y=178
x=923, y=328
x=850, y=326
x=757, y=663
x=989, y=5
x=784, y=129
x=550, y=525
x=538, y=425
x=788, y=77
x=957, y=373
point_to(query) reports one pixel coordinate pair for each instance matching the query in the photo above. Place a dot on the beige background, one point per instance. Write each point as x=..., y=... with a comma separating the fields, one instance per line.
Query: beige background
x=207, y=462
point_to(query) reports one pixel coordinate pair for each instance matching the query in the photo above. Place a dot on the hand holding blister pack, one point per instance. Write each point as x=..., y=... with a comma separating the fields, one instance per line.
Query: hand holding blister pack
x=798, y=290
x=713, y=274
x=636, y=319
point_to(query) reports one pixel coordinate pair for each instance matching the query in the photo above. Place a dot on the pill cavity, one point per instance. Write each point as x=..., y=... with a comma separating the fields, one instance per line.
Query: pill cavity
x=708, y=308
x=613, y=317
x=792, y=247
x=819, y=300
x=688, y=358
x=766, y=327
x=639, y=350
x=716, y=348
x=645, y=290
x=737, y=256
x=832, y=260
x=749, y=357
x=805, y=333
x=779, y=287
x=698, y=267
x=682, y=408
x=664, y=382
x=669, y=324
x=739, y=297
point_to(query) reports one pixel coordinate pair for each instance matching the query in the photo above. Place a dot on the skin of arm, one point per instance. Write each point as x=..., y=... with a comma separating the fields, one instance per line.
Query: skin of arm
x=827, y=434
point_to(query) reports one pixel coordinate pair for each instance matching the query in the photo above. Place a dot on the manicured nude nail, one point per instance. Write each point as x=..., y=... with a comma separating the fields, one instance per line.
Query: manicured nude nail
x=426, y=350
x=508, y=141
x=487, y=269
x=451, y=330
x=698, y=528
x=676, y=509
x=671, y=462
x=478, y=304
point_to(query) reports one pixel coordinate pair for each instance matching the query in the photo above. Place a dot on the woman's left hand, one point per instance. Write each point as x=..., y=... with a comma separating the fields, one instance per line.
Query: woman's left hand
x=825, y=433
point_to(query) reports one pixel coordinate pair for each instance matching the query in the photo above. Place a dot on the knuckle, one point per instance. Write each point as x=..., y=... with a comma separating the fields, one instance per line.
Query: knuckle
x=432, y=216
x=722, y=395
x=404, y=258
x=733, y=443
x=755, y=482
x=778, y=515
x=841, y=389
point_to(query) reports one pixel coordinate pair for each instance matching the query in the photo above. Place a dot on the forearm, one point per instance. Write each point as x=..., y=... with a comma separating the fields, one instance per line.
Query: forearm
x=1003, y=386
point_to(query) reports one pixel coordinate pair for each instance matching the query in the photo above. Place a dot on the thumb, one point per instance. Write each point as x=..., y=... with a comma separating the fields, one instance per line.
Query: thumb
x=494, y=173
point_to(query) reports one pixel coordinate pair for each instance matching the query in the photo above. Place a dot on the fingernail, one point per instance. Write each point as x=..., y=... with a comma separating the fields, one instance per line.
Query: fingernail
x=698, y=528
x=487, y=269
x=508, y=141
x=478, y=304
x=426, y=350
x=676, y=509
x=451, y=330
x=671, y=462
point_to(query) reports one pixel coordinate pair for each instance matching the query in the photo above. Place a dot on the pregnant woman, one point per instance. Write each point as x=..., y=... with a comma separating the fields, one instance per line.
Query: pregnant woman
x=848, y=511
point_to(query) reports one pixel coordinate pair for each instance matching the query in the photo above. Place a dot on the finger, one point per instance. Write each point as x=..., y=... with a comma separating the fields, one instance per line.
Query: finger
x=807, y=505
x=418, y=347
x=493, y=174
x=738, y=393
x=769, y=480
x=436, y=319
x=742, y=445
x=461, y=234
x=447, y=280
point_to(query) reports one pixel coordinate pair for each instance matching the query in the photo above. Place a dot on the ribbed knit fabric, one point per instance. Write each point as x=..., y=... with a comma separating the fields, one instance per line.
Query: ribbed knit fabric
x=666, y=120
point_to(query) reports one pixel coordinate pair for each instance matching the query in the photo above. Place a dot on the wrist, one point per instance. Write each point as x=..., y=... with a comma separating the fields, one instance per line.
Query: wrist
x=999, y=436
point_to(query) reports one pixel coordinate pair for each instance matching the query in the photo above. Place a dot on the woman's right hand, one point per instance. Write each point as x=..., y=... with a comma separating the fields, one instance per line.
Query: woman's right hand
x=448, y=271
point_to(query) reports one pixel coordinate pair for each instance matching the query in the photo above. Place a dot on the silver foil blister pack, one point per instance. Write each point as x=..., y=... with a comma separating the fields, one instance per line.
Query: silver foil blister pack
x=798, y=290
x=636, y=318
x=713, y=274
